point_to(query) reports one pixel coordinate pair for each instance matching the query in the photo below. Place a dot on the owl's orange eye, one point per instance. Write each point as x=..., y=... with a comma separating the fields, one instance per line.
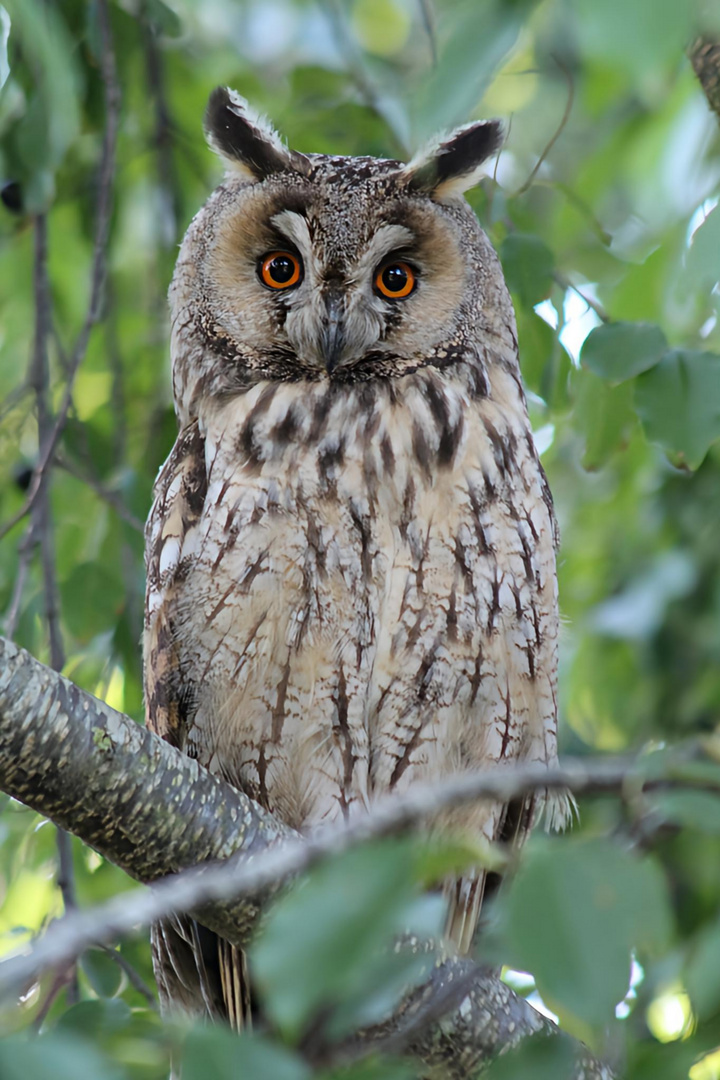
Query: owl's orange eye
x=395, y=280
x=280, y=270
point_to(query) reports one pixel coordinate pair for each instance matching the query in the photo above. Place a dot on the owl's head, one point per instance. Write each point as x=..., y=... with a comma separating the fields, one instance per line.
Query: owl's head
x=310, y=267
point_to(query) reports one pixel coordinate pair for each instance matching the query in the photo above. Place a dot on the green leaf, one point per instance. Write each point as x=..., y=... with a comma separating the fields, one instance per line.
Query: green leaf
x=536, y=341
x=702, y=972
x=56, y=1056
x=691, y=809
x=163, y=18
x=379, y=986
x=603, y=415
x=528, y=264
x=52, y=119
x=545, y=363
x=620, y=351
x=703, y=258
x=640, y=37
x=439, y=857
x=474, y=39
x=679, y=404
x=92, y=598
x=103, y=973
x=575, y=911
x=640, y=295
x=218, y=1053
x=96, y=1017
x=650, y=1060
x=350, y=911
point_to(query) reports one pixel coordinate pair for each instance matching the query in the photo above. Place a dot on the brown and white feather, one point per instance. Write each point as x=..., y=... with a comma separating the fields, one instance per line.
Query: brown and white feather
x=351, y=574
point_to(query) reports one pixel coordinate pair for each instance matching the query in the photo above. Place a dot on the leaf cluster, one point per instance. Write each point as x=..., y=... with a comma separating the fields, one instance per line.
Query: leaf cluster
x=603, y=211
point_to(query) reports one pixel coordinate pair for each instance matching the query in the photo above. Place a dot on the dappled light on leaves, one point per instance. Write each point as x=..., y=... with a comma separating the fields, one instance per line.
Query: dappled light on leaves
x=669, y=1015
x=603, y=207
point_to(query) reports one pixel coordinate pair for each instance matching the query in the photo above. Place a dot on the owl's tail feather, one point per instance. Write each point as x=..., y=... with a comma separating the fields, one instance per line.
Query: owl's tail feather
x=559, y=810
x=468, y=893
x=235, y=982
x=198, y=973
x=465, y=900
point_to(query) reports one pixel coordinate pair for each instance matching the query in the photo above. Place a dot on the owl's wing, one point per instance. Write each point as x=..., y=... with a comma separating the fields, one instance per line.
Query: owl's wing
x=511, y=823
x=196, y=971
x=179, y=498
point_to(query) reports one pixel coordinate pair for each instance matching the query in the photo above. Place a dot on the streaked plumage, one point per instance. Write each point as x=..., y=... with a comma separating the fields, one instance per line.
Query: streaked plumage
x=351, y=554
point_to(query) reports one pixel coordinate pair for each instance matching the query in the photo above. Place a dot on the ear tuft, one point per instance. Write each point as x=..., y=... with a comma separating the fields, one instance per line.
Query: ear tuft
x=445, y=170
x=245, y=140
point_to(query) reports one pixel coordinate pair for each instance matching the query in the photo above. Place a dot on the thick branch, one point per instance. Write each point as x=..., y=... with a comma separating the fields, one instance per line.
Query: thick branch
x=139, y=802
x=152, y=810
x=482, y=1019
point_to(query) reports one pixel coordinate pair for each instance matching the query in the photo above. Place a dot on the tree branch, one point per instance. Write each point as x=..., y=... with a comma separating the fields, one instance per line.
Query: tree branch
x=142, y=804
x=163, y=133
x=42, y=526
x=113, y=498
x=152, y=810
x=47, y=446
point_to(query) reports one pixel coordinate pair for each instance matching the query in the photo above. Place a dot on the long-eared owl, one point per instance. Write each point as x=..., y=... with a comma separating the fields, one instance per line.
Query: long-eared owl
x=351, y=552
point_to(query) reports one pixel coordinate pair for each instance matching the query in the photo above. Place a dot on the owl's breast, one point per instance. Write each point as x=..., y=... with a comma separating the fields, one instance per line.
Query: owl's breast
x=369, y=593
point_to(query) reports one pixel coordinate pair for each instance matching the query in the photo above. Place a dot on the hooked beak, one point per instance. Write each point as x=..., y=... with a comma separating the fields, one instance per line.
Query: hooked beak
x=333, y=338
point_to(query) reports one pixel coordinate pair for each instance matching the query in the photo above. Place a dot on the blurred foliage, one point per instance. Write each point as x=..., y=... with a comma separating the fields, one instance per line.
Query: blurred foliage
x=602, y=206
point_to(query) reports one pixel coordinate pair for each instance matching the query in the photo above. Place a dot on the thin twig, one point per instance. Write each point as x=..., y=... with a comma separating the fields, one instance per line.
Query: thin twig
x=163, y=133
x=595, y=305
x=99, y=262
x=586, y=211
x=41, y=526
x=63, y=977
x=66, y=873
x=353, y=61
x=494, y=185
x=66, y=884
x=118, y=397
x=38, y=371
x=128, y=566
x=51, y=602
x=192, y=889
x=13, y=399
x=25, y=552
x=134, y=977
x=427, y=17
x=558, y=132
x=112, y=498
x=37, y=381
x=74, y=739
x=346, y=47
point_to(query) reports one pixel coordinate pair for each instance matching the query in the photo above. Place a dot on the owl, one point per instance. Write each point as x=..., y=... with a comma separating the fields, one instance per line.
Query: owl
x=351, y=554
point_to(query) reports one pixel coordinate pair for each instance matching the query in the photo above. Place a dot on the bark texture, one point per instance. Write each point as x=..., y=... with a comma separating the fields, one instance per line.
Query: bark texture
x=153, y=811
x=132, y=797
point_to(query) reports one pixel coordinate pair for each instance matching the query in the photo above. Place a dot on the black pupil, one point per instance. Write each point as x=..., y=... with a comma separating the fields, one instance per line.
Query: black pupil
x=394, y=278
x=281, y=269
